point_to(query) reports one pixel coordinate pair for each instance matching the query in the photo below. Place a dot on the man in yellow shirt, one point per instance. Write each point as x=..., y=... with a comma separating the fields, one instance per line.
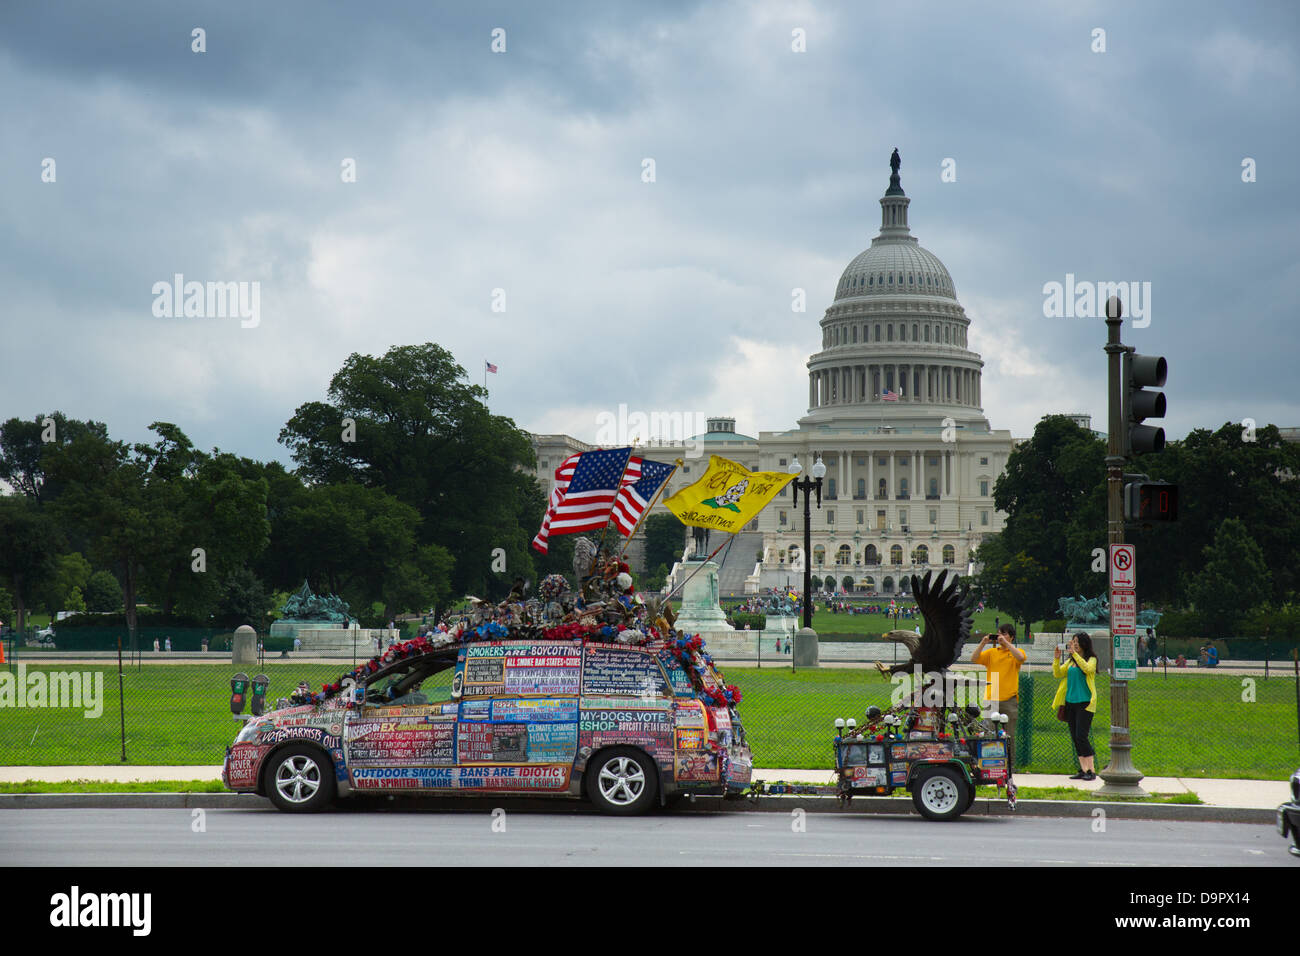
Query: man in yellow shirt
x=1002, y=660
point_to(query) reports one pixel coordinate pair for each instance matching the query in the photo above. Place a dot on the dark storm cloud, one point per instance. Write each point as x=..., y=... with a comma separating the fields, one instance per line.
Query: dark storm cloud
x=522, y=171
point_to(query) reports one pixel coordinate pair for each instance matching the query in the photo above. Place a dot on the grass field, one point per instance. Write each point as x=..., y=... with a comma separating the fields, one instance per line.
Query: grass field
x=1191, y=725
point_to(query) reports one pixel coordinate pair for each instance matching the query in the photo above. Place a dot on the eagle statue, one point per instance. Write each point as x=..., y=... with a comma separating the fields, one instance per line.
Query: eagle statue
x=948, y=622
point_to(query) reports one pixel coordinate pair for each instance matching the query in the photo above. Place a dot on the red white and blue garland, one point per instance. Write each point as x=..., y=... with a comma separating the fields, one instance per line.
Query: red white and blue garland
x=687, y=650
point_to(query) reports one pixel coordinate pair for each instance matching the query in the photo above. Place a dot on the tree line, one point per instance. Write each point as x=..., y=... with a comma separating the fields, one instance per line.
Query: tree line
x=407, y=492
x=1229, y=565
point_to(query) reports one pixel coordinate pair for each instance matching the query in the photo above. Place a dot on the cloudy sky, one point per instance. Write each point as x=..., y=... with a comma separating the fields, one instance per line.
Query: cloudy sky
x=522, y=171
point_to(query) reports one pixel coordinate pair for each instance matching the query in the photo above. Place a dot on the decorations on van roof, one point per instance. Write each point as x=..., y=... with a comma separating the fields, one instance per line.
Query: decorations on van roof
x=604, y=609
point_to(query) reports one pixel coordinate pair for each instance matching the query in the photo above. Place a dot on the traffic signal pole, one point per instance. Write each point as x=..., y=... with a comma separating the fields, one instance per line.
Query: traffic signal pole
x=1120, y=776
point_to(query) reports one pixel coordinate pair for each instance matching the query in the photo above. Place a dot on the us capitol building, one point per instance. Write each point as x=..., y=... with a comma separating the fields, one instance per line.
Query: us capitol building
x=894, y=413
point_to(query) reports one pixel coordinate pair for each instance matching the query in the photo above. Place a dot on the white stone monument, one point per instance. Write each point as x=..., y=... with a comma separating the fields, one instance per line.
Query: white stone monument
x=243, y=647
x=700, y=611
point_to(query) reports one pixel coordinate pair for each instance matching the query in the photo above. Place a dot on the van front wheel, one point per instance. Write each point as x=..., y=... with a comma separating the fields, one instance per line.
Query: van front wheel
x=622, y=781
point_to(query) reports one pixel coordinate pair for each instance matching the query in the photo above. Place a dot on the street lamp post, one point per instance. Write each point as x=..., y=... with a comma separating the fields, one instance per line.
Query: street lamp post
x=809, y=486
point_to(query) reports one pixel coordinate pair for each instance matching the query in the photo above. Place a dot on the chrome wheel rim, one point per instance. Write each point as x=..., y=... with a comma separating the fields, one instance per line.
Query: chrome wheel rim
x=298, y=778
x=939, y=794
x=621, y=780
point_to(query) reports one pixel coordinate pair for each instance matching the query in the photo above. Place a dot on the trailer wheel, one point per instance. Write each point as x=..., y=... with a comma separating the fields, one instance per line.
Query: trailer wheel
x=941, y=793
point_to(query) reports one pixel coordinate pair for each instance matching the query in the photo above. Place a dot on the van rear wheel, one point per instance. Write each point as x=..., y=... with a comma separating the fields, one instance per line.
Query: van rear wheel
x=622, y=781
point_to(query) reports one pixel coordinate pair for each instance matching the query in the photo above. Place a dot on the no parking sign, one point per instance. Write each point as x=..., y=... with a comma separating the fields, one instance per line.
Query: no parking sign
x=1123, y=567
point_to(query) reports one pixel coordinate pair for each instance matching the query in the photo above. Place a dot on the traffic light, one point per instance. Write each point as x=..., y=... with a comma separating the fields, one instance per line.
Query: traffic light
x=1142, y=372
x=1148, y=501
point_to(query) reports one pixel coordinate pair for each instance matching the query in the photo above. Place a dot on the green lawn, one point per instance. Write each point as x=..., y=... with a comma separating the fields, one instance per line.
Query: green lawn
x=1192, y=725
x=175, y=714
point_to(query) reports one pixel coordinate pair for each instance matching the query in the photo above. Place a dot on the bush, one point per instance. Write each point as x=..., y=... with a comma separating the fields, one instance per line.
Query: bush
x=756, y=621
x=1181, y=624
x=1056, y=626
x=103, y=593
x=144, y=617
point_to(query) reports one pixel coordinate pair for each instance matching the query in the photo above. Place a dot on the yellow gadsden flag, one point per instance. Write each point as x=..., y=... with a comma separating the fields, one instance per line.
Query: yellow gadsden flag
x=727, y=496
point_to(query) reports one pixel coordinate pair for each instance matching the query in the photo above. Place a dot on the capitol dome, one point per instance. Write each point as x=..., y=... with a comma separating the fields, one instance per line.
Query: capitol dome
x=894, y=340
x=891, y=267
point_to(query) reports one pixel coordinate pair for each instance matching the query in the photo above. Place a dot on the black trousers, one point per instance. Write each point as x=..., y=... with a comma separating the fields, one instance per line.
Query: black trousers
x=1079, y=720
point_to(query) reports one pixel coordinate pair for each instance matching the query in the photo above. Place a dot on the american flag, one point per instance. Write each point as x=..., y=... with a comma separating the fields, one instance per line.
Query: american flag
x=586, y=486
x=490, y=367
x=889, y=395
x=633, y=498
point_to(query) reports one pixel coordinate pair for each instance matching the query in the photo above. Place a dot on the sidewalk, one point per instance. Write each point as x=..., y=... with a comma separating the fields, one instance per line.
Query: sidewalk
x=1248, y=794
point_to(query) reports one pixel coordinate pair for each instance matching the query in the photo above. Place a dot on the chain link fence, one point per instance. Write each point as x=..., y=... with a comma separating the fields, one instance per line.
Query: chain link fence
x=175, y=710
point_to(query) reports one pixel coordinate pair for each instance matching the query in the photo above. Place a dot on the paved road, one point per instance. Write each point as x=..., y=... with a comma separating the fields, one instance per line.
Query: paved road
x=377, y=838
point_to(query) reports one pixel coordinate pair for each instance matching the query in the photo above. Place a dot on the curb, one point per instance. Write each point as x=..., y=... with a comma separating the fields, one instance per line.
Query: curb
x=865, y=806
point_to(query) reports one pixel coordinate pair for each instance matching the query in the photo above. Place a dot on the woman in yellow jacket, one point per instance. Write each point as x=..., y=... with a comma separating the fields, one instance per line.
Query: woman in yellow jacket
x=1077, y=693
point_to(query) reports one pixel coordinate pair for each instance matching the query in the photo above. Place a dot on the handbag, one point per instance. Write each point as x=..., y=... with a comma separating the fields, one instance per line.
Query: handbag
x=1060, y=713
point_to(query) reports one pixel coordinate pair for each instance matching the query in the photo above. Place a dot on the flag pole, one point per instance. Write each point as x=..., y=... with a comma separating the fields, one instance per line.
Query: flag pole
x=595, y=558
x=724, y=544
x=644, y=514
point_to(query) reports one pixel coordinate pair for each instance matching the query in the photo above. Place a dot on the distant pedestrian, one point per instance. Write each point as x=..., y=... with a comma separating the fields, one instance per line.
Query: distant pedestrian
x=1076, y=698
x=787, y=645
x=156, y=648
x=167, y=645
x=297, y=643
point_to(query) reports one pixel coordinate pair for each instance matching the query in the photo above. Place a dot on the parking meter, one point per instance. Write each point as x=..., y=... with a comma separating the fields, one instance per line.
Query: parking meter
x=260, y=684
x=238, y=693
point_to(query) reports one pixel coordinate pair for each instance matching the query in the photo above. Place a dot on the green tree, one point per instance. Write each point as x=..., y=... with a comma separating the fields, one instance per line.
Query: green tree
x=654, y=581
x=71, y=572
x=1234, y=581
x=1053, y=493
x=1015, y=583
x=207, y=518
x=74, y=602
x=244, y=600
x=1252, y=476
x=663, y=540
x=26, y=445
x=410, y=423
x=362, y=544
x=103, y=593
x=28, y=546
